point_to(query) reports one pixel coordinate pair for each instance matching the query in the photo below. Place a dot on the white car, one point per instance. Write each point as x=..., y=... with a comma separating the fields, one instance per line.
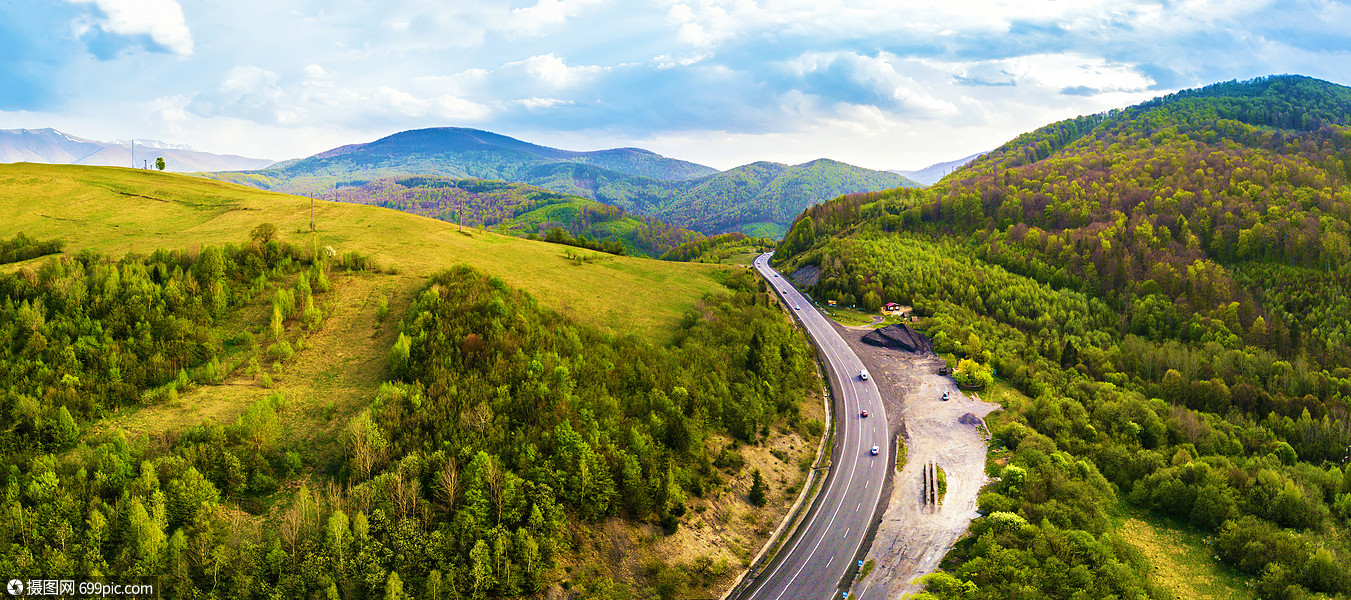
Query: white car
x=873, y=451
x=863, y=374
x=796, y=307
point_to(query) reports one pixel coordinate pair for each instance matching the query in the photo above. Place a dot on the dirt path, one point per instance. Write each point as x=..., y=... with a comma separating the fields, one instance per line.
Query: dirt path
x=912, y=538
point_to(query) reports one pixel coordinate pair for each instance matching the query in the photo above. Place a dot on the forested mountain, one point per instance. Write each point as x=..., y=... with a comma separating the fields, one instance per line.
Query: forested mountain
x=454, y=152
x=760, y=199
x=516, y=208
x=1169, y=284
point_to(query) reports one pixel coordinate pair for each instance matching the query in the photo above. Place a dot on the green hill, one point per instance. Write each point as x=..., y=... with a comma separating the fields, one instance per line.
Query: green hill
x=129, y=210
x=451, y=152
x=759, y=199
x=381, y=406
x=1169, y=282
x=515, y=208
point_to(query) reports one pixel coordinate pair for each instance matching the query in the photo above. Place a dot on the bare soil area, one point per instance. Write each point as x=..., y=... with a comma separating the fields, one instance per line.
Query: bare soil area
x=912, y=538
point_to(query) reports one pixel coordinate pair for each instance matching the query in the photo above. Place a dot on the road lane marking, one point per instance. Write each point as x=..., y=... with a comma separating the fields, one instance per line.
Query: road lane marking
x=832, y=346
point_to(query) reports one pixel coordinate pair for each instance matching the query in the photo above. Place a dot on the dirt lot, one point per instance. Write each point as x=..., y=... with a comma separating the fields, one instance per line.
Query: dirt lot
x=912, y=538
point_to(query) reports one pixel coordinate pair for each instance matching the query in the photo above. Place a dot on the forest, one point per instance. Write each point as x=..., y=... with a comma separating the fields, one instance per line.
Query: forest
x=1167, y=284
x=717, y=248
x=517, y=209
x=23, y=248
x=503, y=434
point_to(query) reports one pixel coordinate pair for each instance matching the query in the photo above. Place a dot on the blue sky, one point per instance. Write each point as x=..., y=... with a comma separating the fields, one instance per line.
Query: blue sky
x=882, y=84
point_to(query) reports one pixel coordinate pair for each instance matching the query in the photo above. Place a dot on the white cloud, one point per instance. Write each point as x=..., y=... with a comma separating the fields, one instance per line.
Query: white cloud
x=878, y=75
x=552, y=71
x=315, y=94
x=541, y=103
x=545, y=15
x=1058, y=72
x=705, y=23
x=161, y=20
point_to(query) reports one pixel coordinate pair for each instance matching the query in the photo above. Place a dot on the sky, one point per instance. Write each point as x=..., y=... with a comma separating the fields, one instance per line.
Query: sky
x=896, y=84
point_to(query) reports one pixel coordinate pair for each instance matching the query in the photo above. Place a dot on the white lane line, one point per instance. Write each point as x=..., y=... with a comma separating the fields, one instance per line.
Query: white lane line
x=853, y=467
x=860, y=505
x=829, y=346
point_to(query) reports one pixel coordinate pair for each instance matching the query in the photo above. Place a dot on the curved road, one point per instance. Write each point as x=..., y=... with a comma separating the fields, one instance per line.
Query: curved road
x=811, y=564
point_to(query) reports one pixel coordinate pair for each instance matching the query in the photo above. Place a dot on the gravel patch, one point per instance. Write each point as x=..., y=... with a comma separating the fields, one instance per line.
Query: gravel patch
x=912, y=538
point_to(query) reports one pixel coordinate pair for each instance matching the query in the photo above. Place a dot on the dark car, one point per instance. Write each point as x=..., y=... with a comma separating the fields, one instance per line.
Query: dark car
x=944, y=371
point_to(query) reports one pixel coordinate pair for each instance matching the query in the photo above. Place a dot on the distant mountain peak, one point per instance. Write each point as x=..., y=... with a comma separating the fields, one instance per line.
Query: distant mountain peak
x=931, y=174
x=50, y=146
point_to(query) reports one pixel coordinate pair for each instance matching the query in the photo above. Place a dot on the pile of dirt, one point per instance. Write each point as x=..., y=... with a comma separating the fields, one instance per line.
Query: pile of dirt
x=970, y=419
x=901, y=337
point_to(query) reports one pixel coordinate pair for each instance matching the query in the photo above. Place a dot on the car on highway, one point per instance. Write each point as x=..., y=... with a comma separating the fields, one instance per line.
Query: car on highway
x=863, y=374
x=945, y=396
x=873, y=451
x=796, y=307
x=863, y=415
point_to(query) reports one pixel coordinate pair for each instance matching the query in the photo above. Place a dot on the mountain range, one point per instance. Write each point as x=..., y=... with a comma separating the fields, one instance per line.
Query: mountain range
x=760, y=199
x=931, y=174
x=54, y=147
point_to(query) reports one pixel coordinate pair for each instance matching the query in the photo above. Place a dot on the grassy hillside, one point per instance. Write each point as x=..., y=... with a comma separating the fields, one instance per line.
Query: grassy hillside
x=1169, y=282
x=515, y=208
x=127, y=210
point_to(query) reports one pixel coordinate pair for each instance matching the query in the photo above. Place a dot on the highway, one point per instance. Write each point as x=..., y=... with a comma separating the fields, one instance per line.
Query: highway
x=813, y=561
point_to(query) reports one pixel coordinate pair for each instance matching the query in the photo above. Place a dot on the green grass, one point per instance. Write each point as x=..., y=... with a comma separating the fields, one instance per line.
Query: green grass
x=1180, y=556
x=902, y=453
x=117, y=210
x=851, y=317
x=1003, y=393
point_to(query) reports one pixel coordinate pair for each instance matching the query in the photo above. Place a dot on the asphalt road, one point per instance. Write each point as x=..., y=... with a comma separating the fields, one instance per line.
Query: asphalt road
x=811, y=564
